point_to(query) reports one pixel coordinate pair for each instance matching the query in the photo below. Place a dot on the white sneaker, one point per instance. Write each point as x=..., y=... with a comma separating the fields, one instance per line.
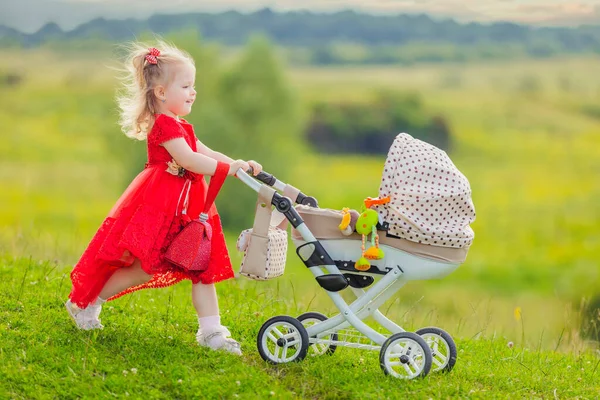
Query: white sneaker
x=85, y=318
x=218, y=339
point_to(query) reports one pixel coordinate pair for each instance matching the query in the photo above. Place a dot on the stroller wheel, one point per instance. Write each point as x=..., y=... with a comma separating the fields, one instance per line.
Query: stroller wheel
x=405, y=355
x=282, y=339
x=442, y=346
x=318, y=349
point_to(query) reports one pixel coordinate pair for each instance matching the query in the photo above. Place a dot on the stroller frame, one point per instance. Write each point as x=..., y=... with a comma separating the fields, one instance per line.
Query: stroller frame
x=403, y=355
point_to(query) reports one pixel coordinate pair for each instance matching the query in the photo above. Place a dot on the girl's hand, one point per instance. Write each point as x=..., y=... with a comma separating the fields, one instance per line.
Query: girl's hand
x=256, y=167
x=237, y=164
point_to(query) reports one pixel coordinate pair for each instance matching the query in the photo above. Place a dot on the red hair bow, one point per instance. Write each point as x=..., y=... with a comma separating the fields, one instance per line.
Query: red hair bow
x=151, y=56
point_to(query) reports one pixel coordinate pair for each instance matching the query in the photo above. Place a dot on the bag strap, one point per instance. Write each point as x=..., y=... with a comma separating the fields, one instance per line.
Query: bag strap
x=278, y=219
x=265, y=216
x=216, y=182
x=185, y=189
x=262, y=219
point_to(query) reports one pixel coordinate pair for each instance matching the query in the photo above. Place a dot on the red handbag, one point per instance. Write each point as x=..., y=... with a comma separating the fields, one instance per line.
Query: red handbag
x=191, y=248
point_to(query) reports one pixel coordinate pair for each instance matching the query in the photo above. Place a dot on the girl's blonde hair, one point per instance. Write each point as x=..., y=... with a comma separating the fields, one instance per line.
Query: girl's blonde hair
x=136, y=98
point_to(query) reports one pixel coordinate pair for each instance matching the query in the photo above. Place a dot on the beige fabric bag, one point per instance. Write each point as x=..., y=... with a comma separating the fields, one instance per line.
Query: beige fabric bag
x=265, y=245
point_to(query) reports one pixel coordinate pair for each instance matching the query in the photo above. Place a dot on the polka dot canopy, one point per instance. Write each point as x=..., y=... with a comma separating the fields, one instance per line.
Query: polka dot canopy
x=430, y=198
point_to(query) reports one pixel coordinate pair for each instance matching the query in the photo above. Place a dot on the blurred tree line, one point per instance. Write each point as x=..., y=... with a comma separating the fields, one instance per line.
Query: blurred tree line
x=415, y=53
x=383, y=39
x=370, y=128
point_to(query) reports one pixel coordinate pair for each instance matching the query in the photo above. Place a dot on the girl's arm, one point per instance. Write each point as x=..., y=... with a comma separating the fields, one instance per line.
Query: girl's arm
x=203, y=149
x=185, y=157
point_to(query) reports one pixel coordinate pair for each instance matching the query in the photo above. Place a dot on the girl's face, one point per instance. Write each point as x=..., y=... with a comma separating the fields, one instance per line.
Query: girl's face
x=179, y=94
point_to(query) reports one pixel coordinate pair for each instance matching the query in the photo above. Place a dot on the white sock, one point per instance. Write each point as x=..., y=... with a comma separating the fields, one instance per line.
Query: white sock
x=99, y=301
x=207, y=324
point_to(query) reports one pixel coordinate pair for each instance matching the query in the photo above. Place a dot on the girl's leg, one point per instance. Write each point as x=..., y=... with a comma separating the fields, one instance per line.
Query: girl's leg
x=124, y=278
x=204, y=298
x=211, y=333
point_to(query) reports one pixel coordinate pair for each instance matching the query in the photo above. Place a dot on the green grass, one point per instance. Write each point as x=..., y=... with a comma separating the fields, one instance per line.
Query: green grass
x=524, y=136
x=148, y=349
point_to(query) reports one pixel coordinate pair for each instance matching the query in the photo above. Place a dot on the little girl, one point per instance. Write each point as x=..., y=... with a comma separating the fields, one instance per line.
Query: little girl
x=127, y=252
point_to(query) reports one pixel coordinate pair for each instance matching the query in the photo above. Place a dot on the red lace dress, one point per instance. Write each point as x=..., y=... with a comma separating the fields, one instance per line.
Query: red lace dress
x=144, y=221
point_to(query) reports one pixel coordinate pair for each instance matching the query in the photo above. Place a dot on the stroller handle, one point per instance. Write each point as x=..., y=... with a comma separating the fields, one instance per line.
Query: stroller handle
x=264, y=177
x=249, y=179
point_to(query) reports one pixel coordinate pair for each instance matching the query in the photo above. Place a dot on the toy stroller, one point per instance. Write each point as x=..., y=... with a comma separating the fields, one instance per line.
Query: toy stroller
x=420, y=231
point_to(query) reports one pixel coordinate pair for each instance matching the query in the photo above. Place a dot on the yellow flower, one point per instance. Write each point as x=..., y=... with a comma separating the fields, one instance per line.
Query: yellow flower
x=518, y=313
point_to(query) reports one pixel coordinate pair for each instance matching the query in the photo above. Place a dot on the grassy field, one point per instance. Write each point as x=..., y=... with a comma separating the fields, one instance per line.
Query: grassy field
x=526, y=136
x=148, y=348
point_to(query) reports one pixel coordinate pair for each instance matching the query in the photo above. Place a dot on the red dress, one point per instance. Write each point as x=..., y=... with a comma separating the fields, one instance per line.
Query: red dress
x=145, y=220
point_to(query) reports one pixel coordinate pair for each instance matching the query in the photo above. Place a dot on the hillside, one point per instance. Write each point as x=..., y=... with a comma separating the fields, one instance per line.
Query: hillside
x=314, y=30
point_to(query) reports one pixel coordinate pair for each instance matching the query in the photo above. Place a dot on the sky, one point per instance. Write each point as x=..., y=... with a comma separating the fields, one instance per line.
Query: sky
x=30, y=15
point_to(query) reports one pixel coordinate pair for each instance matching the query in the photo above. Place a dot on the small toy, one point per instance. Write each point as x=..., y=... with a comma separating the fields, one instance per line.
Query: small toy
x=367, y=225
x=376, y=201
x=349, y=219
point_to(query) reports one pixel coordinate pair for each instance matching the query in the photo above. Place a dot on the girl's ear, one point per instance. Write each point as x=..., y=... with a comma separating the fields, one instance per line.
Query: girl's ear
x=159, y=92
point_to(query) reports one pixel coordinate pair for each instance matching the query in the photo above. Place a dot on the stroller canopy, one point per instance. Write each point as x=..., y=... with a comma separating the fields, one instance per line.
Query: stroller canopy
x=430, y=199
